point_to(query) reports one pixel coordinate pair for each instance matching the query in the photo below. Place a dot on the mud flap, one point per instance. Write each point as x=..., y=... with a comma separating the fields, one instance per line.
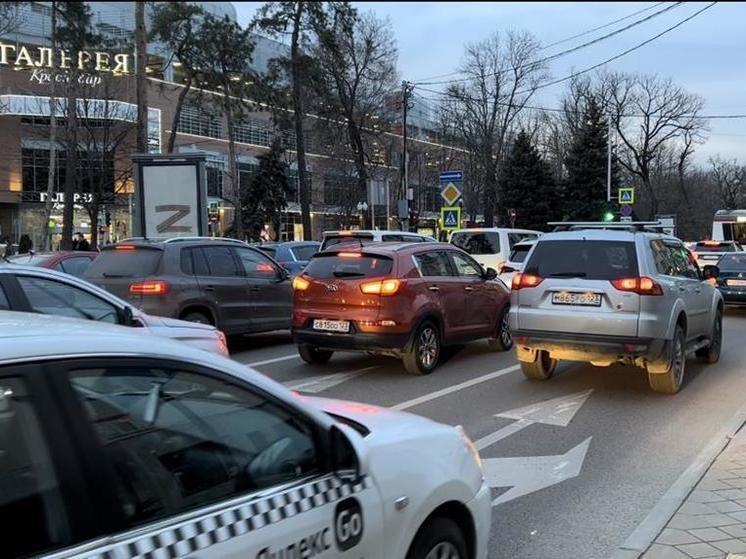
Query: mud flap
x=663, y=363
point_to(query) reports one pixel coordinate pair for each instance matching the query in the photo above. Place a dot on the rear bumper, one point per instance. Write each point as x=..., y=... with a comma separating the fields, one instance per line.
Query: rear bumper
x=733, y=294
x=354, y=341
x=588, y=347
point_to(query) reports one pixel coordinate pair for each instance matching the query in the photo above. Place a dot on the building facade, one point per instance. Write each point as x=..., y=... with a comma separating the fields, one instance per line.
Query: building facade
x=33, y=86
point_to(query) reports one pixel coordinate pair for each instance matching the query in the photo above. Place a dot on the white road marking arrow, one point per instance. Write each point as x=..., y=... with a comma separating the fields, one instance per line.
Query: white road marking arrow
x=314, y=385
x=526, y=474
x=557, y=411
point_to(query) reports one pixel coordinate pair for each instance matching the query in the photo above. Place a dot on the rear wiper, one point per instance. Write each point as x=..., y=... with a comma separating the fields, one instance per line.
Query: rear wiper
x=348, y=274
x=113, y=276
x=568, y=275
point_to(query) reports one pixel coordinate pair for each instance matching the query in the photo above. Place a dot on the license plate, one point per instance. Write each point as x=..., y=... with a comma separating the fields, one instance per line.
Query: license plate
x=582, y=299
x=331, y=325
x=736, y=282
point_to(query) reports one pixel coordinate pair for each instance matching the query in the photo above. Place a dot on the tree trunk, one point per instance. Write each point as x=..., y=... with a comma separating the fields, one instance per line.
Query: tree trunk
x=47, y=242
x=142, y=94
x=71, y=166
x=356, y=141
x=177, y=114
x=234, y=187
x=300, y=140
x=93, y=210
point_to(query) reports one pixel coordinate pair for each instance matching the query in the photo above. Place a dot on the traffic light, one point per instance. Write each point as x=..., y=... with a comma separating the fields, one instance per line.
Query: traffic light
x=108, y=219
x=608, y=215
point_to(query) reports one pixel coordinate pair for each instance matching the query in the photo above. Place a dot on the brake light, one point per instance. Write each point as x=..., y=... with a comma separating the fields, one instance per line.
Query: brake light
x=711, y=243
x=264, y=267
x=641, y=285
x=125, y=247
x=349, y=254
x=154, y=287
x=223, y=343
x=521, y=281
x=382, y=287
x=300, y=283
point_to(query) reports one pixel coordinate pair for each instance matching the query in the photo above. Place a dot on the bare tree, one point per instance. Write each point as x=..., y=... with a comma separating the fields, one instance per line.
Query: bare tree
x=730, y=179
x=10, y=17
x=502, y=74
x=649, y=114
x=358, y=57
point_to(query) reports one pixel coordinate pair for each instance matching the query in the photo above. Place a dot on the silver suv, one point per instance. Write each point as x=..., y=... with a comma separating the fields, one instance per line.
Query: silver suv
x=608, y=295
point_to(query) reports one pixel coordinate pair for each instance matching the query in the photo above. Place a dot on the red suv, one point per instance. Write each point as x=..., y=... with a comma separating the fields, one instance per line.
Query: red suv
x=406, y=300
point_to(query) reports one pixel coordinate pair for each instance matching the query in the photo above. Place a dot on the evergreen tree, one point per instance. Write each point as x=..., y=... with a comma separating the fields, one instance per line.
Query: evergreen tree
x=586, y=165
x=528, y=185
x=266, y=196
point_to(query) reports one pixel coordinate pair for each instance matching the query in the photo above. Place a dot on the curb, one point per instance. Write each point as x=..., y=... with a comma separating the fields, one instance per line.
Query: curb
x=646, y=532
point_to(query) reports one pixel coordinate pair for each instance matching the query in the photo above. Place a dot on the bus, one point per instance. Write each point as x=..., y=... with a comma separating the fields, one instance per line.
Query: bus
x=729, y=225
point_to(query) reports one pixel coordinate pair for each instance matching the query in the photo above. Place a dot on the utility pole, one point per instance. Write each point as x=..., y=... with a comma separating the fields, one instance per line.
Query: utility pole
x=608, y=160
x=406, y=89
x=141, y=42
x=52, y=137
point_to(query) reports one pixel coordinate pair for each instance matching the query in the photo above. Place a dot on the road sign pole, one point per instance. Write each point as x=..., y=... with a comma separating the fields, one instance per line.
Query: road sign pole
x=608, y=161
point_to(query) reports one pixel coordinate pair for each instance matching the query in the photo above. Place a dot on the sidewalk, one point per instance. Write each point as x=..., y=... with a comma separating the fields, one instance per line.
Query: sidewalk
x=712, y=520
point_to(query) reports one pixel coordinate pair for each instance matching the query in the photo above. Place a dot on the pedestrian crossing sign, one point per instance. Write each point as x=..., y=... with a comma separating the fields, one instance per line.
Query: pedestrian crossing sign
x=626, y=195
x=450, y=217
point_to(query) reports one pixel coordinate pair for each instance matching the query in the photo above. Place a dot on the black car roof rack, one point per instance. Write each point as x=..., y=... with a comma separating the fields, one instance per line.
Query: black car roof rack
x=641, y=226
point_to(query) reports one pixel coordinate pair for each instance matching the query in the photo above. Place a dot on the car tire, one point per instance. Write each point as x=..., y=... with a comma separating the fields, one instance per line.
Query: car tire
x=542, y=368
x=313, y=355
x=439, y=537
x=504, y=339
x=198, y=317
x=711, y=353
x=424, y=353
x=670, y=382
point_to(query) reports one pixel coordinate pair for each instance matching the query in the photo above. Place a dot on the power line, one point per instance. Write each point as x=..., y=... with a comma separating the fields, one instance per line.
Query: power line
x=567, y=51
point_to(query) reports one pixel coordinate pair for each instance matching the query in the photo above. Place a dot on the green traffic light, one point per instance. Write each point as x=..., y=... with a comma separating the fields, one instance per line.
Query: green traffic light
x=609, y=216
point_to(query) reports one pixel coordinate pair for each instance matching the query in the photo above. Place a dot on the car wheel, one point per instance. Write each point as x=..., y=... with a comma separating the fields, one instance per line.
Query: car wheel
x=541, y=368
x=670, y=381
x=314, y=355
x=439, y=538
x=711, y=353
x=198, y=317
x=422, y=357
x=503, y=341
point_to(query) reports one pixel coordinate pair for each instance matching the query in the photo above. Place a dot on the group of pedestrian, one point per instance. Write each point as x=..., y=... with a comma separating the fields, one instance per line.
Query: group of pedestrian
x=81, y=243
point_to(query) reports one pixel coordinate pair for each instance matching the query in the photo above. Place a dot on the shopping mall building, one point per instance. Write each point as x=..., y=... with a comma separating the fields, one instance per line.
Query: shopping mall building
x=31, y=76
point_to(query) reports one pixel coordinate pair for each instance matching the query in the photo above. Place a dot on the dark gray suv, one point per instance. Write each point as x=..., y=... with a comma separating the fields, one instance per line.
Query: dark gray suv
x=222, y=282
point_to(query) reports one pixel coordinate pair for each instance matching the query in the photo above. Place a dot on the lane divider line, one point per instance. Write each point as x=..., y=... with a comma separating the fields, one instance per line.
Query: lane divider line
x=314, y=385
x=455, y=388
x=275, y=360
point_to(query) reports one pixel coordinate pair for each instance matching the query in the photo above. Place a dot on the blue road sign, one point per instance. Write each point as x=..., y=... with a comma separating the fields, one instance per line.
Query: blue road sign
x=450, y=217
x=626, y=210
x=451, y=176
x=626, y=195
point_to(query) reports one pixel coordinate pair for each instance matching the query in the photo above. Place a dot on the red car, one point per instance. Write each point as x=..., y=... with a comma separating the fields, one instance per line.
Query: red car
x=401, y=299
x=71, y=262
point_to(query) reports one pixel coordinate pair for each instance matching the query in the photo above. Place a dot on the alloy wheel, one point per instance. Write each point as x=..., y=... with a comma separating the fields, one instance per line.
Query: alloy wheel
x=505, y=336
x=427, y=347
x=443, y=550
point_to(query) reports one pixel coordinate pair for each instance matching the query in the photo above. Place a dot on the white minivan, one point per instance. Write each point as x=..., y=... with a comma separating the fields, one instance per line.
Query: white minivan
x=491, y=246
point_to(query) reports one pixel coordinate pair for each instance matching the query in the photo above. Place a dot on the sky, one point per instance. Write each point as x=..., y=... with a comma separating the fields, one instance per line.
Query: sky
x=706, y=55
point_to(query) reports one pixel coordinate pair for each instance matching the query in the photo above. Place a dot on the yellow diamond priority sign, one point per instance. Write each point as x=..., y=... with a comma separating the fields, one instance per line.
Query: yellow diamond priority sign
x=450, y=193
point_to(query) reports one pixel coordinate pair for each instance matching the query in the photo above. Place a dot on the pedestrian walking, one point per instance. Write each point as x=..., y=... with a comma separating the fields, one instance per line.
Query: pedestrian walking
x=82, y=243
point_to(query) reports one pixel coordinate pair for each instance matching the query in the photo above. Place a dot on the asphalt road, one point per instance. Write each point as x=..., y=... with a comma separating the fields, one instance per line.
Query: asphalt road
x=626, y=444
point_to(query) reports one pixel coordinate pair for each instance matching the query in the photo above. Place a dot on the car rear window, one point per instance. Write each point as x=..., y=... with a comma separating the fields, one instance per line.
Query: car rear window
x=331, y=240
x=715, y=247
x=732, y=262
x=334, y=266
x=477, y=243
x=587, y=259
x=305, y=252
x=519, y=253
x=125, y=263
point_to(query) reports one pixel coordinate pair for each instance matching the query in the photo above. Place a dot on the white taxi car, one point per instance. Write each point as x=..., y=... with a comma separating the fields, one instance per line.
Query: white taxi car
x=114, y=445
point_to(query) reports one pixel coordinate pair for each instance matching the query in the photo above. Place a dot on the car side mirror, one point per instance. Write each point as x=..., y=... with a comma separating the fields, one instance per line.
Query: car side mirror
x=489, y=274
x=126, y=318
x=282, y=274
x=710, y=272
x=348, y=451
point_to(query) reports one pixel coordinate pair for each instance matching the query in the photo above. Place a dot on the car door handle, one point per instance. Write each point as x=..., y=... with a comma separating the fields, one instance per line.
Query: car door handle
x=254, y=288
x=209, y=288
x=468, y=288
x=433, y=288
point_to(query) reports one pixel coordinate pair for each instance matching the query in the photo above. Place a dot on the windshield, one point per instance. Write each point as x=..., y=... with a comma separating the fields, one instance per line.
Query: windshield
x=304, y=253
x=331, y=240
x=519, y=253
x=135, y=262
x=334, y=266
x=477, y=242
x=593, y=260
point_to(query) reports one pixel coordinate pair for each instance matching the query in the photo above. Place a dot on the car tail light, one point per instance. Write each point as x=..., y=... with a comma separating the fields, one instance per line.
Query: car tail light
x=641, y=285
x=382, y=287
x=154, y=287
x=223, y=342
x=521, y=281
x=349, y=254
x=300, y=283
x=125, y=247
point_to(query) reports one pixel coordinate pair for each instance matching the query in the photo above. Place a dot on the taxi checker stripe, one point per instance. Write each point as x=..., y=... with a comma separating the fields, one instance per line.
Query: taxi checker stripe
x=223, y=525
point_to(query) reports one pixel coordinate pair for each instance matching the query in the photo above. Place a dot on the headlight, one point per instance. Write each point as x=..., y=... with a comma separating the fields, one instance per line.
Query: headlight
x=470, y=445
